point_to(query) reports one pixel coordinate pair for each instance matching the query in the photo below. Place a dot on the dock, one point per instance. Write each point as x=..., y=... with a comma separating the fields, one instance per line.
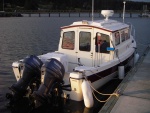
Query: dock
x=134, y=90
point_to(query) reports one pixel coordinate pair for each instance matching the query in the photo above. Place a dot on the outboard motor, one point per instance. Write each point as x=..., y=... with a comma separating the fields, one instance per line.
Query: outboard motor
x=49, y=92
x=31, y=70
x=31, y=73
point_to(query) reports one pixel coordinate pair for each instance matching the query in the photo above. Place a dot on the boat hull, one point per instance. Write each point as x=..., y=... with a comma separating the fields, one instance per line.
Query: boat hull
x=96, y=79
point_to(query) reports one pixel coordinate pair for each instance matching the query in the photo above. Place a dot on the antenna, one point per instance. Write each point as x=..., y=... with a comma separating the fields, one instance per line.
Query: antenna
x=92, y=10
x=3, y=5
x=123, y=10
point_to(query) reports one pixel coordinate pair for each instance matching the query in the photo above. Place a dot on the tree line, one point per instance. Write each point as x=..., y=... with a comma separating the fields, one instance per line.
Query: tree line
x=71, y=4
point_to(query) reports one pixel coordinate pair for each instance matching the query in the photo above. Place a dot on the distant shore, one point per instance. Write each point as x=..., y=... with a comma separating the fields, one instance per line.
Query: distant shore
x=10, y=14
x=20, y=13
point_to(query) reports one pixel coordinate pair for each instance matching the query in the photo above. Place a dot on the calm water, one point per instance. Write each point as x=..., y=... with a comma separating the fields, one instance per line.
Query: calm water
x=24, y=36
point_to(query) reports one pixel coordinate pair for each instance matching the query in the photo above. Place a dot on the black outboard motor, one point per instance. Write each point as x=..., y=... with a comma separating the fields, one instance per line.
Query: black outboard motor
x=47, y=93
x=31, y=70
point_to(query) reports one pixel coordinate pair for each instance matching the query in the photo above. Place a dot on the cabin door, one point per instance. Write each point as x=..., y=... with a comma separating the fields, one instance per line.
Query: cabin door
x=84, y=49
x=67, y=45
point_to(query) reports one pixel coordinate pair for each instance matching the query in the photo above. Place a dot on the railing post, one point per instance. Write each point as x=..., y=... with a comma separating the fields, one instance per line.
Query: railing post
x=49, y=14
x=120, y=15
x=69, y=13
x=130, y=14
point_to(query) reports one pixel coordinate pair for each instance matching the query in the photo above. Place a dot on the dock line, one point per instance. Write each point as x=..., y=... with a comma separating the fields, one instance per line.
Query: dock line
x=110, y=95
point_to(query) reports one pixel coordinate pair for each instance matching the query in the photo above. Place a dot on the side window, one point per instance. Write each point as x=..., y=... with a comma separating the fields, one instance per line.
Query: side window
x=84, y=41
x=123, y=38
x=68, y=40
x=117, y=38
x=127, y=34
x=102, y=41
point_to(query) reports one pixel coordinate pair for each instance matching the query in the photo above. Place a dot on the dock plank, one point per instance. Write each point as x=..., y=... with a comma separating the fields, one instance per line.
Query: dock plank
x=127, y=104
x=135, y=91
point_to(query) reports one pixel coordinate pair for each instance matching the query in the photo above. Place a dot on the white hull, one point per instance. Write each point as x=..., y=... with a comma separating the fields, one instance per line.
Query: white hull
x=76, y=81
x=98, y=76
x=76, y=91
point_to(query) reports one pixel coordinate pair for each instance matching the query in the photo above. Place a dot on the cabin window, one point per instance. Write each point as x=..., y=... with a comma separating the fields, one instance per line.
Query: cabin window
x=117, y=38
x=127, y=34
x=84, y=41
x=123, y=38
x=68, y=40
x=102, y=41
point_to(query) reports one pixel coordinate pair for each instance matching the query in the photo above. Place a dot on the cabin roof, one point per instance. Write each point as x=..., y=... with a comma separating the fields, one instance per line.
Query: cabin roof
x=108, y=25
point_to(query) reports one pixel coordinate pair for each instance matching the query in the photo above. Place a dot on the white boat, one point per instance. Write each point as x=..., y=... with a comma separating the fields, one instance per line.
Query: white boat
x=145, y=14
x=90, y=53
x=90, y=50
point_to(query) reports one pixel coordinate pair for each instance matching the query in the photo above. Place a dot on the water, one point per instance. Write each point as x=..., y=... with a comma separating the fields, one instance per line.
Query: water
x=24, y=36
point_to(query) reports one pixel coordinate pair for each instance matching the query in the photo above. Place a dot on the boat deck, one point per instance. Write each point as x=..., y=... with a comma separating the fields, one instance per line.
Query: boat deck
x=134, y=90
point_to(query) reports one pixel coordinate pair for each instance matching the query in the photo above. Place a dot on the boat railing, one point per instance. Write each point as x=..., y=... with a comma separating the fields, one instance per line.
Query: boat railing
x=132, y=29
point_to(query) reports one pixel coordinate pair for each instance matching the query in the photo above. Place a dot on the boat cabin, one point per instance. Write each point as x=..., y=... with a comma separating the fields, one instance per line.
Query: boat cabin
x=92, y=43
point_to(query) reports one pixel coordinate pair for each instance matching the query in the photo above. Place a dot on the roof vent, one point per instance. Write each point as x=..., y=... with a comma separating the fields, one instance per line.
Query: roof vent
x=107, y=13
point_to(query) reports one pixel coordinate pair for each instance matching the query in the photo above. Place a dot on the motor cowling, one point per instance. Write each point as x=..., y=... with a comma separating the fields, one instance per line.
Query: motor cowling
x=31, y=70
x=53, y=72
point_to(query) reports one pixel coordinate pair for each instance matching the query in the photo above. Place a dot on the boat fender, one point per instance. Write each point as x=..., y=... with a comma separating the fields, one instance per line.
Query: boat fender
x=87, y=94
x=121, y=72
x=136, y=58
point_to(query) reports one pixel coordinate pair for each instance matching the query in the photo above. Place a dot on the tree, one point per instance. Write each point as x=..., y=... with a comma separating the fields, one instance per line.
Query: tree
x=31, y=5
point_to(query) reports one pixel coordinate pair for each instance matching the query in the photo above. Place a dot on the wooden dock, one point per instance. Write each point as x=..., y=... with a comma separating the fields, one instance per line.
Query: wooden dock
x=134, y=90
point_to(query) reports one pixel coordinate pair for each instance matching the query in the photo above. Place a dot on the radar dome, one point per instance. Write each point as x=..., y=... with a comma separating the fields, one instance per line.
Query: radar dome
x=107, y=13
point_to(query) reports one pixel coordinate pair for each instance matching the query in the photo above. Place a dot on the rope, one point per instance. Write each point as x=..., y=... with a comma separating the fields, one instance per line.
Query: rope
x=113, y=94
x=101, y=100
